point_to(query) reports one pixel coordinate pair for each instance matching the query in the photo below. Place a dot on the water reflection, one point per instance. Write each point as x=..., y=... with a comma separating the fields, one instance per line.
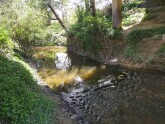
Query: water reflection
x=68, y=69
x=62, y=61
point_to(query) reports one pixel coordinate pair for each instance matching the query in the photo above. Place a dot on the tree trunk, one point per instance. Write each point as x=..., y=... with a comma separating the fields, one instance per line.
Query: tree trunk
x=117, y=13
x=93, y=7
x=57, y=17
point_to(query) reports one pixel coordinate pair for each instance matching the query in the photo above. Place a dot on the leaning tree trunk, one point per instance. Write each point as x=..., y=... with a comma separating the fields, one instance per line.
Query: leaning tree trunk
x=93, y=7
x=57, y=17
x=117, y=13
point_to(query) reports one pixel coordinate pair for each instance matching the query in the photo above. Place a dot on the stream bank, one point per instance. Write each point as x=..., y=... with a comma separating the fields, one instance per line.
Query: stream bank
x=113, y=53
x=141, y=45
x=94, y=93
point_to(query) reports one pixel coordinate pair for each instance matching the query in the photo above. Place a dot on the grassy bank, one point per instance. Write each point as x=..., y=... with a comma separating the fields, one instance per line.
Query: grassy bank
x=21, y=101
x=136, y=36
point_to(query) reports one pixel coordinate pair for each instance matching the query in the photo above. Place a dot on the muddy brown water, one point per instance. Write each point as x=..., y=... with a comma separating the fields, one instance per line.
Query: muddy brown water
x=102, y=94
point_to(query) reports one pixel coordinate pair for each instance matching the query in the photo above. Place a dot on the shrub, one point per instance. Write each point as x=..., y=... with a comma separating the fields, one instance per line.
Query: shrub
x=27, y=29
x=88, y=29
x=5, y=42
x=24, y=23
x=81, y=14
x=132, y=12
x=132, y=16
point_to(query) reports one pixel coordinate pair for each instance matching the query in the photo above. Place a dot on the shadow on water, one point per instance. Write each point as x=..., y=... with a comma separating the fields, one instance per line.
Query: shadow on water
x=104, y=94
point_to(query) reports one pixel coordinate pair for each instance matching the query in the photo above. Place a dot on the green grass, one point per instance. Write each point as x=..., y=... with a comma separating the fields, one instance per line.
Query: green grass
x=21, y=101
x=134, y=37
x=161, y=51
x=148, y=16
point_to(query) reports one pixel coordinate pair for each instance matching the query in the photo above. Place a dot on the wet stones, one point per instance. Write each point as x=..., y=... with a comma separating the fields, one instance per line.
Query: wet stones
x=115, y=102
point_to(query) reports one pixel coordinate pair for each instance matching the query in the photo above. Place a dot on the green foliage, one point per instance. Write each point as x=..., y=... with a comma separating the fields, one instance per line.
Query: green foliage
x=25, y=24
x=161, y=51
x=5, y=42
x=136, y=36
x=20, y=98
x=27, y=29
x=87, y=31
x=114, y=33
x=81, y=14
x=28, y=23
x=148, y=16
x=56, y=27
x=131, y=4
x=42, y=4
x=52, y=35
x=132, y=16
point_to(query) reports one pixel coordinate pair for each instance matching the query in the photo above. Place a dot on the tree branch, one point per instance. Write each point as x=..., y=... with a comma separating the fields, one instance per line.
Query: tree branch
x=57, y=17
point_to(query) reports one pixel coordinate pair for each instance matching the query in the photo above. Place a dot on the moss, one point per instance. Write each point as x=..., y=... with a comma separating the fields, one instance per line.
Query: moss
x=20, y=98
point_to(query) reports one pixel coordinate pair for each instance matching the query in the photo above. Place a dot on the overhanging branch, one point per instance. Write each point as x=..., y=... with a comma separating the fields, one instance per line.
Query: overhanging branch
x=57, y=17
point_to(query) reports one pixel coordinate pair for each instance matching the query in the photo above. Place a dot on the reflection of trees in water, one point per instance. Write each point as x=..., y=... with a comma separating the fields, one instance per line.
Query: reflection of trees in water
x=62, y=61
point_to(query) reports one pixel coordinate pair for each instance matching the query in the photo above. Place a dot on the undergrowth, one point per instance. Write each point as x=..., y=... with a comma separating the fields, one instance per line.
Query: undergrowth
x=5, y=42
x=132, y=14
x=21, y=101
x=90, y=29
x=134, y=37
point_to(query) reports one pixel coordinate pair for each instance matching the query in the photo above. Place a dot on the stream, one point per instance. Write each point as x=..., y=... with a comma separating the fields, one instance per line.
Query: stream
x=97, y=93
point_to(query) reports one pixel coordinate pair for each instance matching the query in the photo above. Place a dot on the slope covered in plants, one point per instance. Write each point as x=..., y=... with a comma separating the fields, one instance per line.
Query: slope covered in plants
x=21, y=100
